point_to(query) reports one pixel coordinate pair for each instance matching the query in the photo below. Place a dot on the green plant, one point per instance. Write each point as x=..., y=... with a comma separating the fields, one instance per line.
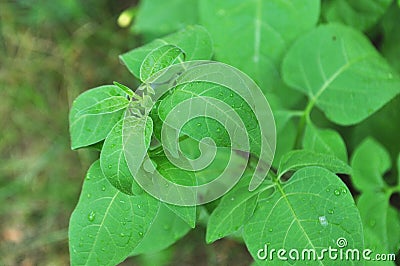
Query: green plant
x=324, y=81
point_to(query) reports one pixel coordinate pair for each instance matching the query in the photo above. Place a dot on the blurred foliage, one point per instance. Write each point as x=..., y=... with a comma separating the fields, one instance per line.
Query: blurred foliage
x=48, y=55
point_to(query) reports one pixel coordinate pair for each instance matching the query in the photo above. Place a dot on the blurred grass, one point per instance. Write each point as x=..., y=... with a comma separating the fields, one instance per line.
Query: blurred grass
x=48, y=55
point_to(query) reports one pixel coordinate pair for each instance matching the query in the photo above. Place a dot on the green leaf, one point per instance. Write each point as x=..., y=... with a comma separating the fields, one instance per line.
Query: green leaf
x=324, y=141
x=94, y=113
x=373, y=209
x=286, y=130
x=312, y=210
x=369, y=162
x=127, y=90
x=360, y=14
x=165, y=230
x=159, y=58
x=339, y=70
x=393, y=229
x=201, y=127
x=152, y=17
x=112, y=156
x=107, y=225
x=298, y=159
x=234, y=210
x=253, y=35
x=178, y=176
x=194, y=41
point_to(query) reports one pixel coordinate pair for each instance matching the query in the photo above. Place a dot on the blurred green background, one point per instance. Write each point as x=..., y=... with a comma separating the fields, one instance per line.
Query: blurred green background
x=51, y=51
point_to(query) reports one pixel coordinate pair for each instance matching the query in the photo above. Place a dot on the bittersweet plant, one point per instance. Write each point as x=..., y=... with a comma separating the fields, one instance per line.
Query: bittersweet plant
x=322, y=84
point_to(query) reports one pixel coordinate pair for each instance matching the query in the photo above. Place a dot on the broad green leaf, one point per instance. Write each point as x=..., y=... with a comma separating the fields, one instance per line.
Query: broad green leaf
x=194, y=41
x=94, y=113
x=234, y=210
x=373, y=209
x=112, y=157
x=324, y=141
x=393, y=229
x=166, y=229
x=298, y=159
x=178, y=176
x=369, y=162
x=201, y=127
x=153, y=18
x=312, y=210
x=391, y=36
x=158, y=59
x=253, y=35
x=107, y=225
x=286, y=129
x=341, y=73
x=360, y=14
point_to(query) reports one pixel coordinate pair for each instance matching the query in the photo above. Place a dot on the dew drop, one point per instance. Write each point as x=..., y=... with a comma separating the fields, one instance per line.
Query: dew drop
x=218, y=130
x=231, y=95
x=323, y=221
x=232, y=198
x=219, y=235
x=91, y=216
x=103, y=188
x=221, y=12
x=103, y=249
x=122, y=201
x=372, y=223
x=88, y=177
x=89, y=195
x=198, y=124
x=328, y=190
x=344, y=191
x=139, y=206
x=330, y=211
x=122, y=235
x=337, y=192
x=109, y=166
x=270, y=230
x=141, y=234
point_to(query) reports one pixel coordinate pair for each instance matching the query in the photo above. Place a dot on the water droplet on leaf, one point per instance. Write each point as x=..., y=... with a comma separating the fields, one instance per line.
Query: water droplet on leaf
x=337, y=192
x=323, y=221
x=91, y=216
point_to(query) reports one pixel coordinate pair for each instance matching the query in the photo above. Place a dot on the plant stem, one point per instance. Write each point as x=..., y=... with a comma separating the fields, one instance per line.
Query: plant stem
x=304, y=119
